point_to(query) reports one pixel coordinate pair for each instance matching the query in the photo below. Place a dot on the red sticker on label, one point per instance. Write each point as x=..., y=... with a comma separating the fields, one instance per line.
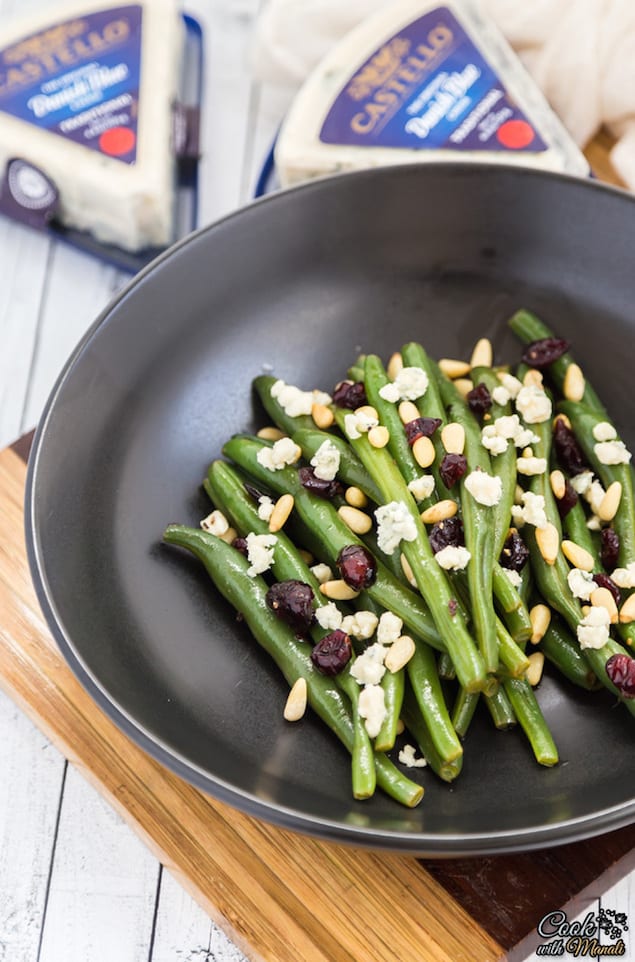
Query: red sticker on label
x=515, y=134
x=117, y=141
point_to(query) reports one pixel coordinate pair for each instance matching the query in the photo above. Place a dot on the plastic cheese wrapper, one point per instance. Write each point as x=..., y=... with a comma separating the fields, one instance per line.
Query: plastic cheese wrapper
x=86, y=119
x=416, y=82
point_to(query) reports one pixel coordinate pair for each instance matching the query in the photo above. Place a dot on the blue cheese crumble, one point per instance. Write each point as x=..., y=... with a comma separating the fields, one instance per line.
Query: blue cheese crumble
x=410, y=384
x=260, y=552
x=486, y=489
x=394, y=524
x=593, y=630
x=295, y=402
x=326, y=461
x=453, y=558
x=284, y=452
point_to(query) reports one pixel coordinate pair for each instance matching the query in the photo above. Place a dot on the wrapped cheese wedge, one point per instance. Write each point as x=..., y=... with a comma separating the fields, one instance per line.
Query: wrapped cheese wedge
x=87, y=94
x=421, y=81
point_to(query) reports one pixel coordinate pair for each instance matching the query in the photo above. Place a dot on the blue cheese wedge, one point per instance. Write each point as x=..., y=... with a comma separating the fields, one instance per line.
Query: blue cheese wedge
x=87, y=99
x=421, y=81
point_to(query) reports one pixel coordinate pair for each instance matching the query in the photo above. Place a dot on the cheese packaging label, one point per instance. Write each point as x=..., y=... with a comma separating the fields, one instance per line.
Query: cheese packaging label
x=429, y=86
x=79, y=79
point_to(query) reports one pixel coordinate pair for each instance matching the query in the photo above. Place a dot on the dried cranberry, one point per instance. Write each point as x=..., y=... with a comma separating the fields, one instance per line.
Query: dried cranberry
x=349, y=394
x=453, y=606
x=603, y=581
x=445, y=534
x=621, y=671
x=357, y=566
x=452, y=469
x=568, y=500
x=253, y=491
x=421, y=428
x=610, y=548
x=542, y=353
x=568, y=451
x=318, y=486
x=240, y=544
x=292, y=602
x=332, y=653
x=515, y=552
x=479, y=399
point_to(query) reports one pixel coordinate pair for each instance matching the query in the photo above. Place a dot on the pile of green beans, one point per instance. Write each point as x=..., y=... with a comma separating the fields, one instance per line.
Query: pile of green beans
x=478, y=635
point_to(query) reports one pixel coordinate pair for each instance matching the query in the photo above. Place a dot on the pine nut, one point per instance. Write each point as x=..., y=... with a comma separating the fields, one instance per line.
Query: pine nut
x=565, y=420
x=482, y=355
x=394, y=366
x=296, y=702
x=338, y=590
x=518, y=494
x=558, y=484
x=322, y=415
x=408, y=412
x=453, y=368
x=306, y=556
x=463, y=385
x=358, y=521
x=399, y=653
x=627, y=611
x=602, y=598
x=547, y=539
x=453, y=438
x=229, y=536
x=423, y=452
x=610, y=502
x=281, y=511
x=407, y=570
x=440, y=511
x=536, y=665
x=532, y=378
x=528, y=452
x=400, y=727
x=367, y=411
x=355, y=497
x=577, y=556
x=379, y=436
x=574, y=385
x=270, y=433
x=540, y=617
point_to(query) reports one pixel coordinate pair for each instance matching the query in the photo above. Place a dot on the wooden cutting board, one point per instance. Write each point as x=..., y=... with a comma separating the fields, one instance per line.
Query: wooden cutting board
x=284, y=897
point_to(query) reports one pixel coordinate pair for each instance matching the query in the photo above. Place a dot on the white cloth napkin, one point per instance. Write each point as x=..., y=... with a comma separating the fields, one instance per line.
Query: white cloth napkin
x=580, y=52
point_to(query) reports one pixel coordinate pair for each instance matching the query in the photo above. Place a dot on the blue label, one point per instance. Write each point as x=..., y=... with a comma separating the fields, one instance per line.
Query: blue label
x=79, y=79
x=429, y=87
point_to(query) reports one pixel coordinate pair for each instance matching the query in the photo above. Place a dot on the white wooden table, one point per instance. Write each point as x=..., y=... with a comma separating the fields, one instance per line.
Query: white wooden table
x=76, y=885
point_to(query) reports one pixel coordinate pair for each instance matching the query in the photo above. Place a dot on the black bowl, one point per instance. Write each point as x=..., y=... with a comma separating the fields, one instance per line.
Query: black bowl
x=300, y=283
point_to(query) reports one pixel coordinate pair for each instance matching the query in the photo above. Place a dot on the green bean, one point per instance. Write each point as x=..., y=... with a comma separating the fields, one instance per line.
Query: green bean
x=417, y=727
x=500, y=708
x=463, y=710
x=375, y=378
x=583, y=420
x=531, y=719
x=228, y=570
x=424, y=681
x=503, y=465
x=430, y=578
x=393, y=684
x=351, y=470
x=512, y=656
x=575, y=526
x=479, y=526
x=446, y=669
x=530, y=328
x=333, y=534
x=561, y=649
